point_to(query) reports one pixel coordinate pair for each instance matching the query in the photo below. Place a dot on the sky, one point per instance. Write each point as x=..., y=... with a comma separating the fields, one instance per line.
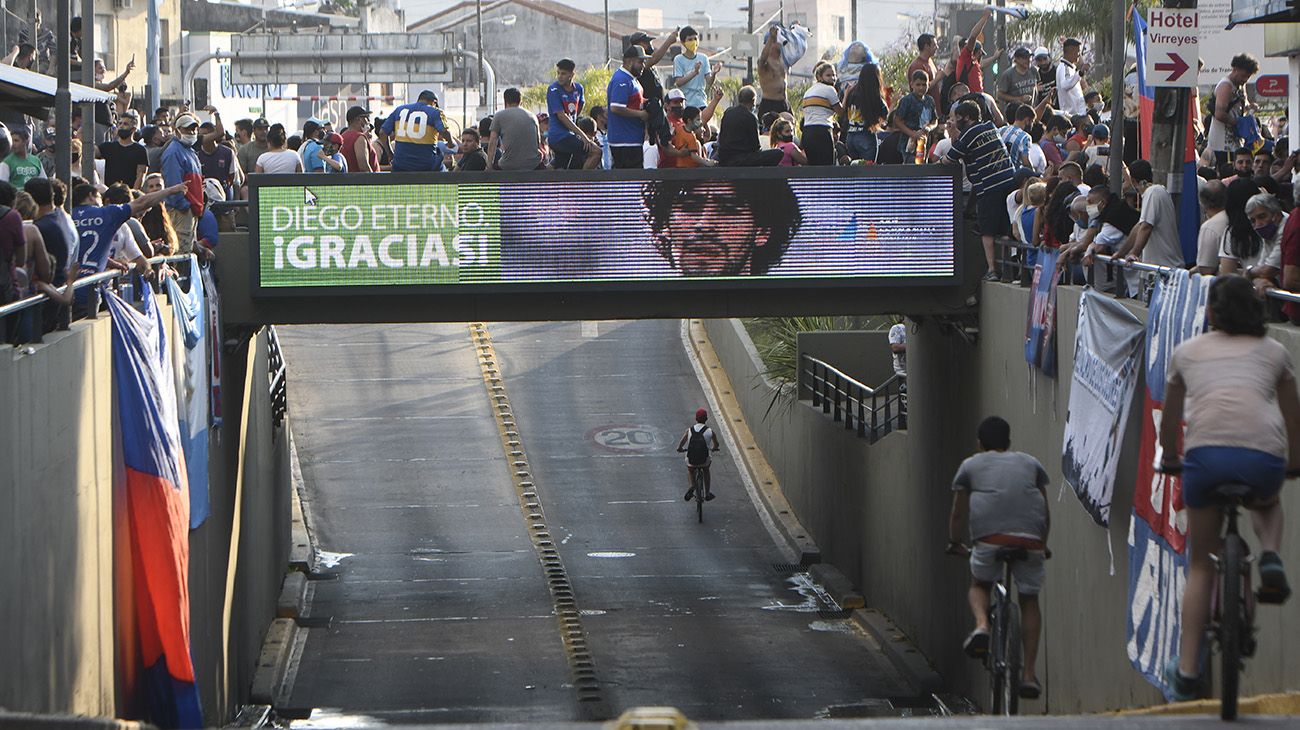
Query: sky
x=675, y=11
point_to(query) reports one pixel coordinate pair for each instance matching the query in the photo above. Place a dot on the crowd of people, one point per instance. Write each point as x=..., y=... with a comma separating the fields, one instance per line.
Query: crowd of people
x=1034, y=145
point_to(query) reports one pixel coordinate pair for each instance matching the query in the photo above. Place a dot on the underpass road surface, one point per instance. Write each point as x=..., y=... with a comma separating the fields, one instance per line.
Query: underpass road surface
x=441, y=611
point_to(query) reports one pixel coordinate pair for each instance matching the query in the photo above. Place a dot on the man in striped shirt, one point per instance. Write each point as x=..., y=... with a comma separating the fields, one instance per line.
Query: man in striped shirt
x=1016, y=139
x=991, y=174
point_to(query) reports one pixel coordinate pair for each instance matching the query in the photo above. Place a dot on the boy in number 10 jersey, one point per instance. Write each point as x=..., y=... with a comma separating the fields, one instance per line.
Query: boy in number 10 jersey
x=415, y=130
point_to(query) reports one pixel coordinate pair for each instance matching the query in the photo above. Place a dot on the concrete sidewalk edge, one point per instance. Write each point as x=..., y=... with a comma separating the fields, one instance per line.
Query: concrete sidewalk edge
x=749, y=456
x=1283, y=704
x=899, y=649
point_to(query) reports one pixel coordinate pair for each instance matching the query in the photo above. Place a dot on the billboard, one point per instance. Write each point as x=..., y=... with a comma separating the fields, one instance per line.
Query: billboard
x=652, y=230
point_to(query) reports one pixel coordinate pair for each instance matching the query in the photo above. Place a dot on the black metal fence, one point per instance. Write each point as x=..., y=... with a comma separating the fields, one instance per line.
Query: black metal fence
x=872, y=412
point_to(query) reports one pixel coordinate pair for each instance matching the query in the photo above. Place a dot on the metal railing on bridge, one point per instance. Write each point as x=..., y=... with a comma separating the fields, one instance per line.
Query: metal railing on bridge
x=1010, y=257
x=121, y=282
x=872, y=412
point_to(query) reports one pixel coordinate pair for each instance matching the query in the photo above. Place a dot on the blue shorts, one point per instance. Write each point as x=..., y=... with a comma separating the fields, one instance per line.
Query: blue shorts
x=1207, y=467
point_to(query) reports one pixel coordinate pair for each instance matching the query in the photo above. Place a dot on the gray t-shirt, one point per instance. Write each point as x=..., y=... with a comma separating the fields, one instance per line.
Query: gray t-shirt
x=1018, y=84
x=1006, y=494
x=517, y=134
x=1163, y=247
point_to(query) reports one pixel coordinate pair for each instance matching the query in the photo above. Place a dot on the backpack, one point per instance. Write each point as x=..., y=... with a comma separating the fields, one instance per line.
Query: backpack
x=697, y=449
x=8, y=287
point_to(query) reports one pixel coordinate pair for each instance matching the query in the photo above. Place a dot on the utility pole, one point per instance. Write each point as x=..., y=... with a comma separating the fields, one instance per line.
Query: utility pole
x=608, y=52
x=853, y=21
x=62, y=96
x=478, y=32
x=749, y=27
x=153, y=73
x=1118, y=47
x=88, y=134
x=1169, y=129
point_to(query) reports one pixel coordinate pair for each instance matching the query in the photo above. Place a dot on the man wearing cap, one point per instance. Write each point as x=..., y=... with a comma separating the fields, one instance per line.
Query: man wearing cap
x=415, y=129
x=1046, y=76
x=330, y=157
x=1016, y=85
x=1098, y=150
x=627, y=116
x=652, y=90
x=125, y=160
x=357, y=150
x=1069, y=79
x=969, y=69
x=255, y=147
x=180, y=166
x=565, y=98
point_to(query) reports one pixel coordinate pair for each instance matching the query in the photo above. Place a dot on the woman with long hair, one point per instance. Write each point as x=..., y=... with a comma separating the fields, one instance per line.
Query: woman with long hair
x=157, y=226
x=821, y=104
x=864, y=111
x=1243, y=427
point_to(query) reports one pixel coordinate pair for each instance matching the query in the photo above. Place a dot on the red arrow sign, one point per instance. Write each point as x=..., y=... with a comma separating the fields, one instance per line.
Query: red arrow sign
x=1177, y=68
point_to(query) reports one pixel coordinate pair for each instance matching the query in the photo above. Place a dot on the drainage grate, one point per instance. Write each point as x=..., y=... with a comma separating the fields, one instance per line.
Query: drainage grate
x=788, y=568
x=841, y=613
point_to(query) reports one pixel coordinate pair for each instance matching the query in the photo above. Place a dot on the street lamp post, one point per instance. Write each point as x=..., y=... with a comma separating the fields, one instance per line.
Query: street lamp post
x=608, y=52
x=478, y=20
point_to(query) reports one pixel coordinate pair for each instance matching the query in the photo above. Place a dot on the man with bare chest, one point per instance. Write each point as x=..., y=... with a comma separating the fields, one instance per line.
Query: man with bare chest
x=771, y=75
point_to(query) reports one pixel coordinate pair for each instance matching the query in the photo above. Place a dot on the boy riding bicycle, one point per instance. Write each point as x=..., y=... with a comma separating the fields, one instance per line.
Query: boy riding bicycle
x=1003, y=495
x=695, y=443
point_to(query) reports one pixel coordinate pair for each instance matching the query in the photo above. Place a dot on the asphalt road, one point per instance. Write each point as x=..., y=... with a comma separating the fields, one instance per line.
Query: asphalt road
x=441, y=611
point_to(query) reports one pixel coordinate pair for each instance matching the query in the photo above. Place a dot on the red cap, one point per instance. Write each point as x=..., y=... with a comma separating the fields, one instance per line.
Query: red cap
x=334, y=138
x=701, y=415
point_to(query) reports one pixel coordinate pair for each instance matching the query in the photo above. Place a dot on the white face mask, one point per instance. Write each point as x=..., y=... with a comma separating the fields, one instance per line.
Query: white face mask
x=188, y=139
x=1093, y=211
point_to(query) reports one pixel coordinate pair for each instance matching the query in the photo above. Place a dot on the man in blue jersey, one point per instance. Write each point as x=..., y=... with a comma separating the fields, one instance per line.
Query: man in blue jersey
x=570, y=146
x=627, y=118
x=414, y=130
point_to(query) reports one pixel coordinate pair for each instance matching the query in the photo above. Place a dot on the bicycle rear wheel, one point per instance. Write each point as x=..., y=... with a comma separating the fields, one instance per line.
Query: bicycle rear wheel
x=1232, y=624
x=995, y=659
x=1011, y=665
x=699, y=495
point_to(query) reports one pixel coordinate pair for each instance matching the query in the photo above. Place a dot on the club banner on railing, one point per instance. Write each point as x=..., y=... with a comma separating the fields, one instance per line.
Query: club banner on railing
x=1107, y=350
x=191, y=367
x=1040, y=328
x=157, y=515
x=1158, y=530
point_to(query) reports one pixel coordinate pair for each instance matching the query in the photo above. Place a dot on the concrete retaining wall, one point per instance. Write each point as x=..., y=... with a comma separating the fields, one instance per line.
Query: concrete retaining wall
x=879, y=513
x=57, y=542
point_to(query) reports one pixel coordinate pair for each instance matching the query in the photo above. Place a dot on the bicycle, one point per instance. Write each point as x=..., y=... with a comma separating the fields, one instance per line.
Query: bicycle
x=1232, y=604
x=699, y=494
x=1003, y=659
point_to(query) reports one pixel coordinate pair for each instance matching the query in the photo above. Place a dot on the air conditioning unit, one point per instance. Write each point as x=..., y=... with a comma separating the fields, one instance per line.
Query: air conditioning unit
x=123, y=4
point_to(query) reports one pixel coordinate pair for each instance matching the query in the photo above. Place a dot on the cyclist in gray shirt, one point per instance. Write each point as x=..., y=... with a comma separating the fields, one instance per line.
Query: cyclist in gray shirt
x=1002, y=494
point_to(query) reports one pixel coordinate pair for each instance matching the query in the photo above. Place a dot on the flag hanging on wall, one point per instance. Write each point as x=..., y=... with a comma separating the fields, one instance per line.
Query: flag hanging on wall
x=1107, y=358
x=158, y=512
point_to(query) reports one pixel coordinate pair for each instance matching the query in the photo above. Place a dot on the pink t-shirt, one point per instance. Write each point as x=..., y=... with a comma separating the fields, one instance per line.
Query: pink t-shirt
x=786, y=159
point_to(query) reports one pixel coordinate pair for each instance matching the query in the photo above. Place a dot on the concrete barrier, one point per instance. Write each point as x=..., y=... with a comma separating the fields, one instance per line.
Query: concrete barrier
x=879, y=512
x=58, y=438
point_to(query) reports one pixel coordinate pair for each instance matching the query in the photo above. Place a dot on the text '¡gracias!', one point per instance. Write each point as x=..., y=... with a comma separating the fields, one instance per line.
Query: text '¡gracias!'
x=395, y=236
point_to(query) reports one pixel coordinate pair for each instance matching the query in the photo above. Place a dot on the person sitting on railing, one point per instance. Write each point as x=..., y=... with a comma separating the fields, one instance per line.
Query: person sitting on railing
x=1251, y=245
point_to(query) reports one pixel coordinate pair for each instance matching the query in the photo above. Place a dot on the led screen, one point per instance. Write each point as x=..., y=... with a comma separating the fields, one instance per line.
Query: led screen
x=741, y=227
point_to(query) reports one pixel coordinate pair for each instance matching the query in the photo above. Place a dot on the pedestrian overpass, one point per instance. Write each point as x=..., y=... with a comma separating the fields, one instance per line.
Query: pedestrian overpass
x=720, y=242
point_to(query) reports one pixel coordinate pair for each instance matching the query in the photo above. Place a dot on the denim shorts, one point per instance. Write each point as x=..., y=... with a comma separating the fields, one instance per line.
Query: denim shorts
x=1207, y=467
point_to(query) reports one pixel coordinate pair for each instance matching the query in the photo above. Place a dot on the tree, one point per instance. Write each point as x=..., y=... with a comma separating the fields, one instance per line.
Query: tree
x=1080, y=19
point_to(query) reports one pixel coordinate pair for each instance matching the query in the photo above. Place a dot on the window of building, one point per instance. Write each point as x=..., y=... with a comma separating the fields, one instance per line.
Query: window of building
x=164, y=46
x=104, y=41
x=839, y=25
